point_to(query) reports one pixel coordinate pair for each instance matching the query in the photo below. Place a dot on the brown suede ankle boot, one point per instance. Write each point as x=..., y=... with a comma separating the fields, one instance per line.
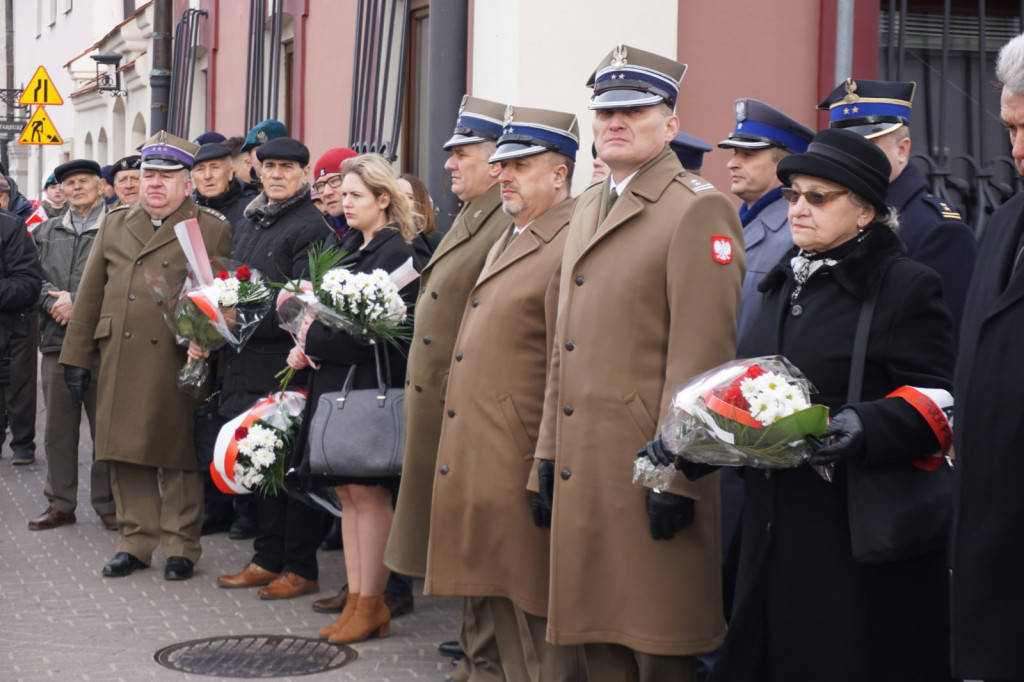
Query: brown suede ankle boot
x=371, y=619
x=346, y=615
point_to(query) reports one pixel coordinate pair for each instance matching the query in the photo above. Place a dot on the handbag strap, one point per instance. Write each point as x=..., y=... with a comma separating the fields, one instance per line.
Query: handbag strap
x=860, y=347
x=383, y=375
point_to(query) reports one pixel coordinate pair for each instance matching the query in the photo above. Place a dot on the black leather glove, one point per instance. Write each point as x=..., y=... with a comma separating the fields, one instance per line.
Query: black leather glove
x=843, y=439
x=540, y=503
x=657, y=452
x=668, y=513
x=77, y=380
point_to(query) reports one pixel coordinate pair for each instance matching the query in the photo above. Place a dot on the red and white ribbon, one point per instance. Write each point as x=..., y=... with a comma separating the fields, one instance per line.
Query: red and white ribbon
x=936, y=406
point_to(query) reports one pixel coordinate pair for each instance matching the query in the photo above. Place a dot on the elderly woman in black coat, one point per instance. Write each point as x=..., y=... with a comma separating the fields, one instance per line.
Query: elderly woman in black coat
x=380, y=236
x=805, y=610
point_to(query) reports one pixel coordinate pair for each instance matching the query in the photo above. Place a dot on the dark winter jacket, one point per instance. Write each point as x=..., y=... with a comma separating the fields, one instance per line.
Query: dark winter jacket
x=804, y=610
x=232, y=203
x=20, y=282
x=17, y=203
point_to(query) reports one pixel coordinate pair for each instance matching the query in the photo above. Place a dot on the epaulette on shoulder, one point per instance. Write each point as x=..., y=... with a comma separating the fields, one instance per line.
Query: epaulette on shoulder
x=119, y=207
x=694, y=183
x=212, y=211
x=944, y=209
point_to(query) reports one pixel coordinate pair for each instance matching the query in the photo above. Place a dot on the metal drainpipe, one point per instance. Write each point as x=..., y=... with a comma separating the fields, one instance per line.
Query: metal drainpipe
x=844, y=40
x=160, y=75
x=9, y=56
x=447, y=78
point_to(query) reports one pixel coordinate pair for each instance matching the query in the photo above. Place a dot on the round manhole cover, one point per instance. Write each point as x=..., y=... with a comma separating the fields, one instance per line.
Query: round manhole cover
x=254, y=656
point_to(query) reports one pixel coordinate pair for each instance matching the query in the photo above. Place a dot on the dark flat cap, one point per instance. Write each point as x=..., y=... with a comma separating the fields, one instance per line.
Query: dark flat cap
x=284, y=149
x=212, y=150
x=76, y=166
x=208, y=137
x=128, y=163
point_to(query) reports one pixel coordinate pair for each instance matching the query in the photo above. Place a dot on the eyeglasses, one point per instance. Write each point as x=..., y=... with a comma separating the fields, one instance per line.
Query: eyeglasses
x=333, y=181
x=813, y=197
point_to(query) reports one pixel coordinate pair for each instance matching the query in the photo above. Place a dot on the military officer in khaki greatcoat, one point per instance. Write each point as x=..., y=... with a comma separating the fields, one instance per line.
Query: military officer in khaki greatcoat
x=496, y=395
x=446, y=282
x=144, y=422
x=648, y=298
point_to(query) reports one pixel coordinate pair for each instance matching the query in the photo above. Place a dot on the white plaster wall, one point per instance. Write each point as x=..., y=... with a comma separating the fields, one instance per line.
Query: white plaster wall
x=540, y=53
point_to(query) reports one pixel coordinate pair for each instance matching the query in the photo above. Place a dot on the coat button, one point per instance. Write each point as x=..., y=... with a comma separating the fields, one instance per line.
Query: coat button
x=797, y=310
x=569, y=345
x=166, y=264
x=127, y=335
x=433, y=294
x=444, y=469
x=131, y=297
x=138, y=262
x=419, y=389
x=476, y=302
x=579, y=280
x=407, y=382
x=153, y=341
x=458, y=357
x=426, y=340
x=568, y=410
x=451, y=413
x=566, y=474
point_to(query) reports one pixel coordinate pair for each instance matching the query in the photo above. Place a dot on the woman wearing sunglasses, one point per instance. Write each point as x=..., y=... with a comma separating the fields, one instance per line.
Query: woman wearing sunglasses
x=805, y=609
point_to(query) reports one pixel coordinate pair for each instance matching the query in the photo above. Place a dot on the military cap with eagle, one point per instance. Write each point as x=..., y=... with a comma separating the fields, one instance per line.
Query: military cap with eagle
x=870, y=108
x=479, y=120
x=534, y=131
x=628, y=77
x=759, y=126
x=166, y=152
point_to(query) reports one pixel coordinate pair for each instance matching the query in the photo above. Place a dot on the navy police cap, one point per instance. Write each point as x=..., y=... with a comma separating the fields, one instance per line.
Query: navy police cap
x=535, y=131
x=870, y=108
x=628, y=77
x=759, y=126
x=690, y=149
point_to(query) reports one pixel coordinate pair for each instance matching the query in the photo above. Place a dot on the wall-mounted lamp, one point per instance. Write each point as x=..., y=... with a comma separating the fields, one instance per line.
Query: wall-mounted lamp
x=110, y=79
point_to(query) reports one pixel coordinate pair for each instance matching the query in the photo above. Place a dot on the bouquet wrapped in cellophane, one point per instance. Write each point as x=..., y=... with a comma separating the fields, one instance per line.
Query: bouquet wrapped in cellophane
x=754, y=412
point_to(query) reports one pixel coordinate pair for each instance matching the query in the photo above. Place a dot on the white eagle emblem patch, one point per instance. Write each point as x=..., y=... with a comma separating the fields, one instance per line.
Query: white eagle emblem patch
x=721, y=249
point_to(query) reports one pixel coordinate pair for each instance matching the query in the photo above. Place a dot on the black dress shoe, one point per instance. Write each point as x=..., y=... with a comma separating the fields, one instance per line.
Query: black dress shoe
x=121, y=565
x=178, y=568
x=450, y=649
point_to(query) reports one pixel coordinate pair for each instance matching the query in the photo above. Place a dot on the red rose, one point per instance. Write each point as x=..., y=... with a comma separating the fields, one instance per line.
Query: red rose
x=754, y=371
x=734, y=397
x=243, y=274
x=241, y=432
x=223, y=274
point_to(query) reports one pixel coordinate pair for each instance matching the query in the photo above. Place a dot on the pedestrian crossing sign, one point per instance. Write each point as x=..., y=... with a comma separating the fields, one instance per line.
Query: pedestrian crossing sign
x=40, y=90
x=40, y=130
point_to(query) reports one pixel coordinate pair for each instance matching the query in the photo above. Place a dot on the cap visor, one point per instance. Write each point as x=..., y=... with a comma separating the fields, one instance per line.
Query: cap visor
x=513, y=150
x=745, y=144
x=459, y=140
x=872, y=130
x=161, y=165
x=622, y=98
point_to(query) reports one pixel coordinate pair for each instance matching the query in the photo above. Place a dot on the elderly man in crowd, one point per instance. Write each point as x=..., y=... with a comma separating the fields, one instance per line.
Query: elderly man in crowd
x=445, y=285
x=496, y=395
x=144, y=422
x=649, y=291
x=126, y=179
x=64, y=244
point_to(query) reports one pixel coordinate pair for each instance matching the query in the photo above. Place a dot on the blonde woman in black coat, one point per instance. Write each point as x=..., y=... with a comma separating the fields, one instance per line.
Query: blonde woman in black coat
x=805, y=611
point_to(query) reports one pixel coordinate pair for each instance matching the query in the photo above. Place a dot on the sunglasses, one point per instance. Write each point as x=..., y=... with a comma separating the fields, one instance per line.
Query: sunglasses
x=334, y=181
x=813, y=197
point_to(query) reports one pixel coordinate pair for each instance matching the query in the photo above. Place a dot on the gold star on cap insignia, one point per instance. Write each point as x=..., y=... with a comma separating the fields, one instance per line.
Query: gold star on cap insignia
x=856, y=109
x=846, y=110
x=619, y=57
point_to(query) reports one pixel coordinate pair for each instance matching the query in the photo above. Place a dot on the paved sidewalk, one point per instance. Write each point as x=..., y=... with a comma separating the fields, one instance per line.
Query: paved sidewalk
x=60, y=620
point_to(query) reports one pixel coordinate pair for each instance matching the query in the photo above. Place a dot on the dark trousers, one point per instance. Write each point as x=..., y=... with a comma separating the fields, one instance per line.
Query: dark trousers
x=289, y=535
x=18, y=401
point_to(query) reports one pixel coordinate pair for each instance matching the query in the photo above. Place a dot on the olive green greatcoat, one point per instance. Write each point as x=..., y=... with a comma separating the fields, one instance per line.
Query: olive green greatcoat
x=644, y=306
x=483, y=541
x=142, y=416
x=445, y=284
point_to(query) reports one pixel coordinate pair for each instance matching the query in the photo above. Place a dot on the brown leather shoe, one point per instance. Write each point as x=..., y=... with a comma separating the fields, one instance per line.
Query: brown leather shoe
x=250, y=576
x=288, y=585
x=51, y=518
x=333, y=604
x=109, y=521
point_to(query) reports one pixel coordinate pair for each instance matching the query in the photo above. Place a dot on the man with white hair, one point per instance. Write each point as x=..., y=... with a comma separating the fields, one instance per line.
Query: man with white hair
x=987, y=601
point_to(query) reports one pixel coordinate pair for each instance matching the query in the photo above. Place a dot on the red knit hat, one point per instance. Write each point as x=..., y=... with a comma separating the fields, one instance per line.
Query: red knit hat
x=331, y=161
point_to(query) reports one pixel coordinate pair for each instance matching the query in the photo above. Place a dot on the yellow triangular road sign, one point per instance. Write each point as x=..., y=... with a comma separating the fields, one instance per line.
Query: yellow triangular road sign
x=40, y=90
x=40, y=130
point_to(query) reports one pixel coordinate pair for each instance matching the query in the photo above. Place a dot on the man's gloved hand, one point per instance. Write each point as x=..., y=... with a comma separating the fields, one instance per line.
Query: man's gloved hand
x=540, y=503
x=843, y=439
x=77, y=380
x=657, y=452
x=668, y=513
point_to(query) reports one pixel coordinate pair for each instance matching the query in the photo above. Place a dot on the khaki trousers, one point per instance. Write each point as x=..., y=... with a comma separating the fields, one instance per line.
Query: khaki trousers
x=157, y=507
x=476, y=637
x=60, y=442
x=616, y=663
x=525, y=655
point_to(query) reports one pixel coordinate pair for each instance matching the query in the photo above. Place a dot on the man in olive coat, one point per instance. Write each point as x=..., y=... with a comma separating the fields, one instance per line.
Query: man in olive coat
x=648, y=298
x=496, y=395
x=144, y=422
x=446, y=282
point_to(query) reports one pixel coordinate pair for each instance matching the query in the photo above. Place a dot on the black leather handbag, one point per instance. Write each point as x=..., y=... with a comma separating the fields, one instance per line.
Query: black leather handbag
x=899, y=511
x=359, y=433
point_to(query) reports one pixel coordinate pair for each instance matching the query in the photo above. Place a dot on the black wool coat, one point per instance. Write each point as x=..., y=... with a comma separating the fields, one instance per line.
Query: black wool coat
x=987, y=555
x=337, y=351
x=275, y=240
x=804, y=610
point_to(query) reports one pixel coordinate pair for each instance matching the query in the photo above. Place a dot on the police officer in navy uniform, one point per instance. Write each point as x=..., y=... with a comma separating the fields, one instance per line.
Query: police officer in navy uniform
x=690, y=150
x=763, y=136
x=930, y=228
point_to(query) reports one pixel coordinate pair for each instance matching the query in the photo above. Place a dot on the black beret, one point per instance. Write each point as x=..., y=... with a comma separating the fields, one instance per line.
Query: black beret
x=284, y=149
x=128, y=163
x=77, y=166
x=212, y=150
x=208, y=137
